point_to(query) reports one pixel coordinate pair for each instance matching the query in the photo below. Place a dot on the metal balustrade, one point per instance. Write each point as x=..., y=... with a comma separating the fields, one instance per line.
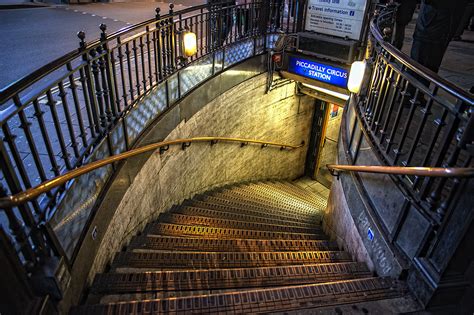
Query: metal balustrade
x=414, y=123
x=94, y=102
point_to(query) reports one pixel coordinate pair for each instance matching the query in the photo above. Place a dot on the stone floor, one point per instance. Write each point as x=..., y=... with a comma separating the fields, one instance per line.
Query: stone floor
x=313, y=186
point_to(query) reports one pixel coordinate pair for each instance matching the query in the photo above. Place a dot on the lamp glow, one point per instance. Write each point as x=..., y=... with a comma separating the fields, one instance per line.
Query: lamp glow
x=189, y=44
x=356, y=76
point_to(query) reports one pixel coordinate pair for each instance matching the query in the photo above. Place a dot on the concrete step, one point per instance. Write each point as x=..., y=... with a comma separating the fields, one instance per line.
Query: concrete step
x=290, y=187
x=198, y=260
x=171, y=229
x=256, y=211
x=168, y=243
x=236, y=216
x=177, y=218
x=280, y=194
x=238, y=201
x=264, y=192
x=218, y=279
x=279, y=299
x=272, y=202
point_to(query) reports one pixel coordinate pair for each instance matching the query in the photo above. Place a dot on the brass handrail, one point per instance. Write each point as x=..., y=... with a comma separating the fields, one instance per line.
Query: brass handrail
x=405, y=170
x=31, y=193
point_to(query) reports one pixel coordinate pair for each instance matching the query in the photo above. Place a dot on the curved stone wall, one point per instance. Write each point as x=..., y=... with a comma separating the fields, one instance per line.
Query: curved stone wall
x=244, y=111
x=359, y=204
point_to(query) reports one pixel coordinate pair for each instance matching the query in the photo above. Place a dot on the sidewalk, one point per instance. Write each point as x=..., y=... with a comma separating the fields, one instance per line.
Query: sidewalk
x=20, y=4
x=458, y=62
x=40, y=35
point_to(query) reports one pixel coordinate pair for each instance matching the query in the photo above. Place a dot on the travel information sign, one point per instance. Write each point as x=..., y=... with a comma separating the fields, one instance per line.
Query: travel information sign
x=318, y=71
x=342, y=18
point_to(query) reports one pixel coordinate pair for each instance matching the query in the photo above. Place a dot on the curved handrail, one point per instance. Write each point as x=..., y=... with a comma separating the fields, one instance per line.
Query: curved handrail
x=416, y=67
x=405, y=170
x=30, y=194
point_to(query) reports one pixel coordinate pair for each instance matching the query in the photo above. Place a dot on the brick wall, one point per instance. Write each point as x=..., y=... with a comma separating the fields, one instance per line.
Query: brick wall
x=244, y=111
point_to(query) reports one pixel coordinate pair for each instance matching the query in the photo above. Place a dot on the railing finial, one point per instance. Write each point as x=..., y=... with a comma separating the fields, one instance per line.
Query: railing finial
x=157, y=10
x=82, y=36
x=103, y=28
x=171, y=8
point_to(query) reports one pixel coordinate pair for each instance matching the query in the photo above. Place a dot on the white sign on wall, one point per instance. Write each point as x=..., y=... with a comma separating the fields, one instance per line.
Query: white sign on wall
x=342, y=18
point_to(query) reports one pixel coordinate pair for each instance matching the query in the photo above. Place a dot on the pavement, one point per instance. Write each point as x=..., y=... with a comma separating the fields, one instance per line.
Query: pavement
x=32, y=37
x=458, y=62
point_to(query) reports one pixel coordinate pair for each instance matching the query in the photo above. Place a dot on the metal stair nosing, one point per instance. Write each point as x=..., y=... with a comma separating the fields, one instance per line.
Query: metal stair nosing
x=260, y=300
x=194, y=244
x=215, y=232
x=217, y=279
x=229, y=207
x=158, y=260
x=177, y=218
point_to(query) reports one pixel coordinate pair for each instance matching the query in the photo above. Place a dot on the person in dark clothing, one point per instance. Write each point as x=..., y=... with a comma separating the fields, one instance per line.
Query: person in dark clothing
x=405, y=12
x=435, y=27
x=221, y=18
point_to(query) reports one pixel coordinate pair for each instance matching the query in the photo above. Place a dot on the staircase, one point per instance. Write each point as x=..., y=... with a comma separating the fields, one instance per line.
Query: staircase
x=250, y=248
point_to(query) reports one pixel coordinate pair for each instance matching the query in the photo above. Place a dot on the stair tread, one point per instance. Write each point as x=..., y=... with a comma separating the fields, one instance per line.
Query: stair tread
x=190, y=259
x=278, y=208
x=214, y=232
x=316, y=216
x=212, y=279
x=189, y=243
x=261, y=300
x=195, y=220
x=230, y=215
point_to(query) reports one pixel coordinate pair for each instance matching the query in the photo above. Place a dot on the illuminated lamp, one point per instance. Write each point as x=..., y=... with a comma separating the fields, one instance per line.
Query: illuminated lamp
x=189, y=41
x=356, y=75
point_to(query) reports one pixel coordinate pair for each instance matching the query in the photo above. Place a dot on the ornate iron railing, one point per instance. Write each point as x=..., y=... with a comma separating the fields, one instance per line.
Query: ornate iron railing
x=84, y=106
x=412, y=123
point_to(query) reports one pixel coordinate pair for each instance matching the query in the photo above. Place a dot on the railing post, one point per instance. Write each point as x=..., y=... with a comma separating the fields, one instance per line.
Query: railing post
x=300, y=4
x=89, y=82
x=465, y=137
x=111, y=90
x=172, y=39
x=26, y=213
x=19, y=234
x=158, y=46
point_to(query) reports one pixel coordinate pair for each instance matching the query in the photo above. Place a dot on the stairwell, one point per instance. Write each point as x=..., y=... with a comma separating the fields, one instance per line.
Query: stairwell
x=249, y=248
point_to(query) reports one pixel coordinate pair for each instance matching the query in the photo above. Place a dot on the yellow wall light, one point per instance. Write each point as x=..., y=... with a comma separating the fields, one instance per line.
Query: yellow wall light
x=189, y=43
x=356, y=76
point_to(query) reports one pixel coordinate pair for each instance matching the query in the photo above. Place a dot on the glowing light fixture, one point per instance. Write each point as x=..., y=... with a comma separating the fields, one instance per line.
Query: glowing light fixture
x=189, y=43
x=356, y=76
x=327, y=91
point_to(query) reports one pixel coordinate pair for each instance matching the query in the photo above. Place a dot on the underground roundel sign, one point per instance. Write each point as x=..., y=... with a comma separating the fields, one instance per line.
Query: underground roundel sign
x=341, y=18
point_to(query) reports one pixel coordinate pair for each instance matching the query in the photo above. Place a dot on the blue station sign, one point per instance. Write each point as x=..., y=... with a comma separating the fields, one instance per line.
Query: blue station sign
x=318, y=71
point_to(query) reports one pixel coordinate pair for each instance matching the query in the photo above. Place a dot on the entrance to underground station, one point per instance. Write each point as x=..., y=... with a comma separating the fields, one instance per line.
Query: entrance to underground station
x=326, y=60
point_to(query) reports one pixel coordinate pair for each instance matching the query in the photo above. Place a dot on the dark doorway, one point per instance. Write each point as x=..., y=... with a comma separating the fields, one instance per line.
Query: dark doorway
x=315, y=138
x=323, y=141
